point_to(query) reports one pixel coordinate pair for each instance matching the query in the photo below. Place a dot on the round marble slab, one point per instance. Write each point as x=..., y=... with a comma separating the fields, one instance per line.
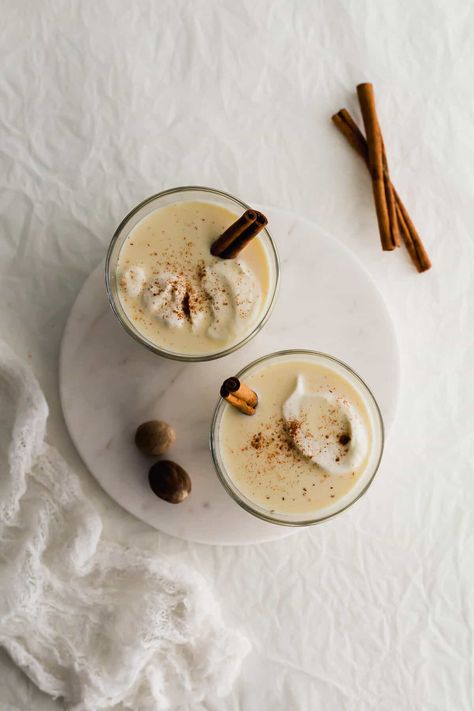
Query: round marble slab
x=110, y=384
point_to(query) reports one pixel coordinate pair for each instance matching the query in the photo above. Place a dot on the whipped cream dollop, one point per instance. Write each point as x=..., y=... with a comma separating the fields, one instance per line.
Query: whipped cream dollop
x=219, y=301
x=326, y=428
x=173, y=300
x=233, y=295
x=133, y=281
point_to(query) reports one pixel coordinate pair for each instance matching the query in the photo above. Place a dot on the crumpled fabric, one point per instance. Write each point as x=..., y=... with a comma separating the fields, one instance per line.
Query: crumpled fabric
x=94, y=622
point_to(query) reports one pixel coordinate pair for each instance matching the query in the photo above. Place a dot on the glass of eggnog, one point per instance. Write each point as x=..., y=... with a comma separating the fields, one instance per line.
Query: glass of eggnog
x=299, y=440
x=172, y=294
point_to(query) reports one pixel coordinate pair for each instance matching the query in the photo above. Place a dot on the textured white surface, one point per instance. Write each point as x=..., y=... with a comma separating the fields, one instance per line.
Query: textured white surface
x=109, y=382
x=106, y=103
x=95, y=623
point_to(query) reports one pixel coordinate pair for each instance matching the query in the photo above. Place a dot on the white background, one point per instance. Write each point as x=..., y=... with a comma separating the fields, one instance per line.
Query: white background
x=105, y=103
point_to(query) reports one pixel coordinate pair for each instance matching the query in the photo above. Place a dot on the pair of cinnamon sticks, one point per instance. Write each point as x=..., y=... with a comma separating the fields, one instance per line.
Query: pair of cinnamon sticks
x=239, y=234
x=393, y=219
x=392, y=216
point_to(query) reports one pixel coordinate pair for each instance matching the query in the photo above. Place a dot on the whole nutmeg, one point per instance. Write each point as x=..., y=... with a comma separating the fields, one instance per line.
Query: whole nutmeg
x=169, y=481
x=154, y=437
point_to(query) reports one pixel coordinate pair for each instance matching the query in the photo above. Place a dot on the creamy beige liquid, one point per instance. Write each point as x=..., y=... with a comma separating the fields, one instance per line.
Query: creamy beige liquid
x=256, y=450
x=177, y=239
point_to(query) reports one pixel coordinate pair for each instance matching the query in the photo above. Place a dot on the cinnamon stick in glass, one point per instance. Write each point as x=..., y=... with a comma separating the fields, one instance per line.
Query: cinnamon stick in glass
x=239, y=395
x=239, y=234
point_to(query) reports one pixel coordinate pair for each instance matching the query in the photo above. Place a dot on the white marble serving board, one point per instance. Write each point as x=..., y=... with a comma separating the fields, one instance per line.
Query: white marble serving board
x=110, y=384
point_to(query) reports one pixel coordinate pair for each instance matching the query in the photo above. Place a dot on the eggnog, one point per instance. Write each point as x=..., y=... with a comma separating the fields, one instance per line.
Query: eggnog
x=180, y=297
x=313, y=442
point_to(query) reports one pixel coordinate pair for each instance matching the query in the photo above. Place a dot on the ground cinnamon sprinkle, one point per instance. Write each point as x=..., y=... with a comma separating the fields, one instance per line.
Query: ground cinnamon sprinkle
x=294, y=427
x=187, y=306
x=276, y=446
x=257, y=441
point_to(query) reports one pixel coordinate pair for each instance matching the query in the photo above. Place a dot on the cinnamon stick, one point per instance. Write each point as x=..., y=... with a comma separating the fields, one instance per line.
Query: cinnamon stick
x=407, y=238
x=349, y=129
x=365, y=92
x=390, y=199
x=423, y=262
x=239, y=395
x=239, y=234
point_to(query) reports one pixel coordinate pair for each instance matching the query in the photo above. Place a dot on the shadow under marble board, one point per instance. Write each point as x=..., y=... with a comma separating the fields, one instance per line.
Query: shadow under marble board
x=110, y=383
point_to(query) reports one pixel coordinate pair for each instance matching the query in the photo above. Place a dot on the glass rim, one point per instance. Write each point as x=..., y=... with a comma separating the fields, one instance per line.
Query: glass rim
x=128, y=327
x=224, y=477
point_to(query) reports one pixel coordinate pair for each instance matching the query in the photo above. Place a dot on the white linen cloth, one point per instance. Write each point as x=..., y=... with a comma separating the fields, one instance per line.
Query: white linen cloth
x=91, y=621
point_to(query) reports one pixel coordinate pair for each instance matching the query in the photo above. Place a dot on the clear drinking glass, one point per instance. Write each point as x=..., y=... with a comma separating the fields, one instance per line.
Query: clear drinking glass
x=168, y=197
x=360, y=486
